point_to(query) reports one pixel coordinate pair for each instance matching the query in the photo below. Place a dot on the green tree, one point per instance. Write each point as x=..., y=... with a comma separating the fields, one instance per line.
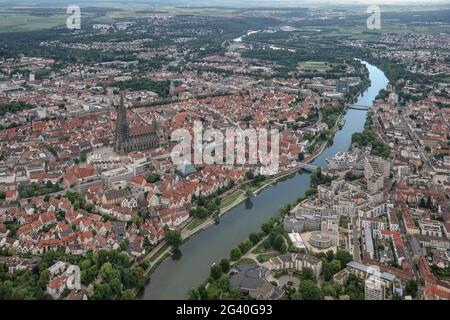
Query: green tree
x=173, y=237
x=102, y=291
x=153, y=177
x=279, y=243
x=329, y=290
x=235, y=254
x=216, y=271
x=116, y=286
x=330, y=255
x=225, y=265
x=194, y=294
x=309, y=290
x=411, y=288
x=327, y=270
x=336, y=266
x=44, y=278
x=344, y=257
x=307, y=274
x=254, y=238
x=268, y=226
x=127, y=294
x=245, y=246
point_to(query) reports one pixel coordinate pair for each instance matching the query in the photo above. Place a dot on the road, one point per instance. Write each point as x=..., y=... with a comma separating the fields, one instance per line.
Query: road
x=356, y=242
x=415, y=140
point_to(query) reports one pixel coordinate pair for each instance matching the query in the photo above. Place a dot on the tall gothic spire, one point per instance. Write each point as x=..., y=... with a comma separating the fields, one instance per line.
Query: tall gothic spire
x=122, y=130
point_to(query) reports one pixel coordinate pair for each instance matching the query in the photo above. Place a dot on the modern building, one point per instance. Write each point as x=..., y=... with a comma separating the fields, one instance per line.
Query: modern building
x=296, y=262
x=376, y=169
x=251, y=279
x=374, y=289
x=390, y=283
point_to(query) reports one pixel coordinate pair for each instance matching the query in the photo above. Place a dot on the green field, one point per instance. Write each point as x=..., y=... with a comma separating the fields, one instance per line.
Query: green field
x=314, y=65
x=229, y=199
x=159, y=252
x=195, y=223
x=23, y=22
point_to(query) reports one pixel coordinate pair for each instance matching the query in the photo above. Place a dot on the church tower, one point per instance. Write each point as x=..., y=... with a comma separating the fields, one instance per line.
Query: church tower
x=122, y=129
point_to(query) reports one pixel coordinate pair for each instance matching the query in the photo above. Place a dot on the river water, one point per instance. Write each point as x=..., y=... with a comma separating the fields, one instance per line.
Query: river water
x=177, y=274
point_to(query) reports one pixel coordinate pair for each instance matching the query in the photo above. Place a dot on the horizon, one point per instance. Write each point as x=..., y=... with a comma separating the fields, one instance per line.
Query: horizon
x=238, y=3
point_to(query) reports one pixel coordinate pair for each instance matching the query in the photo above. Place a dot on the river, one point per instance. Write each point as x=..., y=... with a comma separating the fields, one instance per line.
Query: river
x=177, y=274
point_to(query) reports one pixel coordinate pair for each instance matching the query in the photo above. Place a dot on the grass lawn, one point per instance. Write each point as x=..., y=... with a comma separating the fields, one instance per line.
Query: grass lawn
x=195, y=223
x=265, y=257
x=229, y=199
x=159, y=252
x=245, y=261
x=314, y=64
x=280, y=273
x=260, y=248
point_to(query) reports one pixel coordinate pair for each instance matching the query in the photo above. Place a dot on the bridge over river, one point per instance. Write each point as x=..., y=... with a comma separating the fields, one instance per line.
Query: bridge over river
x=359, y=107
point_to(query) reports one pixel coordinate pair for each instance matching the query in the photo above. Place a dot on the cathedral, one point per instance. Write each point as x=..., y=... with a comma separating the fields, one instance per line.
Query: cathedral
x=137, y=138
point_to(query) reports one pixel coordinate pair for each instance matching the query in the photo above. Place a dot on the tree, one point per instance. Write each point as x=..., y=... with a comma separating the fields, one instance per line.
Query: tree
x=309, y=290
x=102, y=291
x=83, y=156
x=327, y=270
x=254, y=238
x=344, y=257
x=268, y=226
x=225, y=265
x=153, y=177
x=422, y=203
x=127, y=294
x=279, y=243
x=232, y=294
x=202, y=212
x=330, y=255
x=411, y=288
x=124, y=244
x=284, y=210
x=194, y=294
x=245, y=246
x=296, y=296
x=44, y=278
x=89, y=275
x=235, y=254
x=203, y=294
x=354, y=287
x=108, y=272
x=307, y=274
x=224, y=283
x=328, y=290
x=116, y=286
x=336, y=266
x=216, y=271
x=173, y=237
x=429, y=203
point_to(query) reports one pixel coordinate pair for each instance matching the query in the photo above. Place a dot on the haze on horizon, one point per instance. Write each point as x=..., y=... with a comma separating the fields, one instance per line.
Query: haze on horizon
x=241, y=3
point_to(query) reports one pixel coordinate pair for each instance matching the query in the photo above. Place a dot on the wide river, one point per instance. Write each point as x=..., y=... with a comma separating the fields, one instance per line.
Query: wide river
x=177, y=274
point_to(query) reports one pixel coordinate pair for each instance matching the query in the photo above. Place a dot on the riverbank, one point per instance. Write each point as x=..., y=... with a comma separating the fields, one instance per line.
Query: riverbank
x=162, y=251
x=172, y=278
